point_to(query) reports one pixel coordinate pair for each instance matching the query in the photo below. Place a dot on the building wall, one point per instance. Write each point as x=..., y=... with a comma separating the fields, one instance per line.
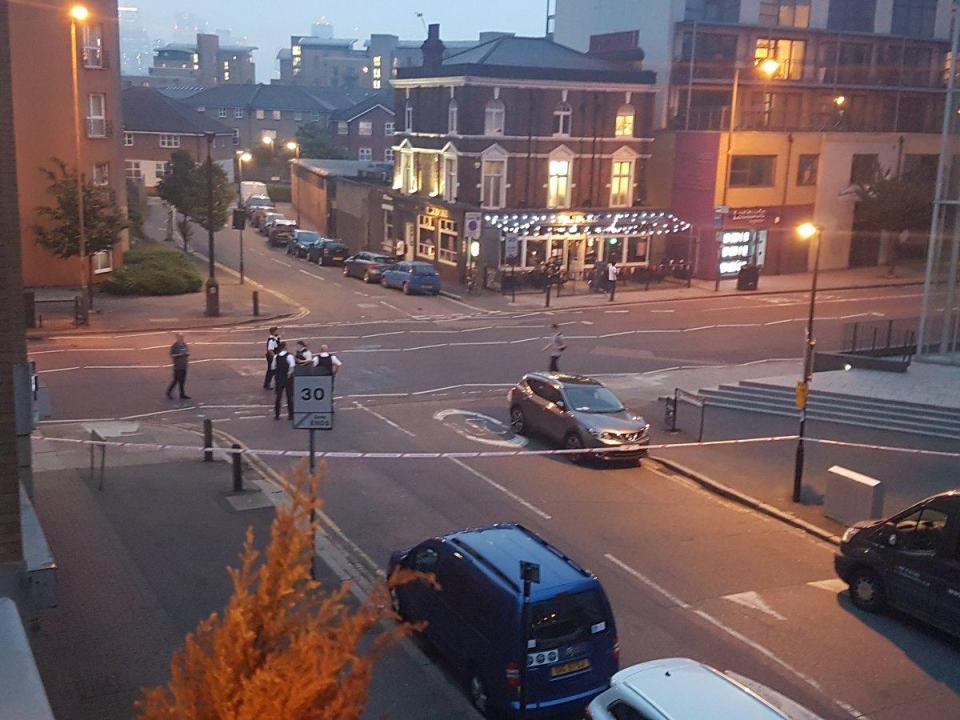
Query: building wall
x=252, y=128
x=378, y=142
x=43, y=120
x=147, y=151
x=311, y=191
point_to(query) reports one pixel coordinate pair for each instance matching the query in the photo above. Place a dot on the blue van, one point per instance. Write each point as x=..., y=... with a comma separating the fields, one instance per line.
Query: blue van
x=475, y=620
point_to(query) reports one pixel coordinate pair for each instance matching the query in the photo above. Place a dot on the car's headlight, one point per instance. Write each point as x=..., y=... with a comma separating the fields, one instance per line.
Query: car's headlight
x=848, y=534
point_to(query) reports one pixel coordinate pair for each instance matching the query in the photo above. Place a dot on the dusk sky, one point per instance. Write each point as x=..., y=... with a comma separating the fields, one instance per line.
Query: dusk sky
x=269, y=25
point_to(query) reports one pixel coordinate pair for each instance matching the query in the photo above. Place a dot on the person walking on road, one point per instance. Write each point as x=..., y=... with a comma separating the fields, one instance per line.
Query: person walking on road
x=272, y=342
x=180, y=354
x=613, y=272
x=556, y=346
x=283, y=365
x=326, y=361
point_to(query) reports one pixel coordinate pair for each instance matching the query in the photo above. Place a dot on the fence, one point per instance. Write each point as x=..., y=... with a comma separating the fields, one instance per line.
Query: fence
x=671, y=418
x=881, y=338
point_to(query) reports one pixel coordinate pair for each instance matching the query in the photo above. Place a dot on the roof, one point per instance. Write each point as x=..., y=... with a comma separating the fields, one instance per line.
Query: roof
x=567, y=379
x=285, y=54
x=180, y=92
x=342, y=168
x=508, y=56
x=192, y=47
x=149, y=110
x=505, y=545
x=682, y=688
x=312, y=41
x=382, y=99
x=274, y=97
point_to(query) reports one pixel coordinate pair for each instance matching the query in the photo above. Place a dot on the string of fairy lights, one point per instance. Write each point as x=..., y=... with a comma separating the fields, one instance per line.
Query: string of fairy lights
x=641, y=222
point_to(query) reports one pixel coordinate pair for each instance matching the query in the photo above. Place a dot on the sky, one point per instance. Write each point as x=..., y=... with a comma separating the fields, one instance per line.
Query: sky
x=268, y=25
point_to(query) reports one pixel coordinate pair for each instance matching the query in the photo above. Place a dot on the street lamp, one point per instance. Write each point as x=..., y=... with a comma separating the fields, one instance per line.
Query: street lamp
x=213, y=287
x=242, y=157
x=294, y=147
x=810, y=232
x=79, y=14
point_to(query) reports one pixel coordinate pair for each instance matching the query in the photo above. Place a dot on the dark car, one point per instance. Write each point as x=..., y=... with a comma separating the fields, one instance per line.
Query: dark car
x=910, y=561
x=281, y=233
x=328, y=252
x=577, y=412
x=475, y=620
x=412, y=277
x=367, y=265
x=302, y=242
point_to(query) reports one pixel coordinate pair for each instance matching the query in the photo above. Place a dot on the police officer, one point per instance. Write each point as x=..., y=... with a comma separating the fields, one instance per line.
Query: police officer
x=326, y=362
x=303, y=356
x=282, y=366
x=272, y=342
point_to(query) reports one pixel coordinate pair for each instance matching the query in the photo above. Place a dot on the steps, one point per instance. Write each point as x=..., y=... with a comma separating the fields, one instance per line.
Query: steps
x=877, y=414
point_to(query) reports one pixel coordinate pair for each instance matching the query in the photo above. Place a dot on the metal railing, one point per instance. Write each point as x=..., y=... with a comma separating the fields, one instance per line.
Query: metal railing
x=881, y=338
x=672, y=411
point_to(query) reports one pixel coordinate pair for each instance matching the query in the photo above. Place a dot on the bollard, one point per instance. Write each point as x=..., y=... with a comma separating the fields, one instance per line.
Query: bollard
x=208, y=440
x=237, y=460
x=256, y=303
x=547, y=304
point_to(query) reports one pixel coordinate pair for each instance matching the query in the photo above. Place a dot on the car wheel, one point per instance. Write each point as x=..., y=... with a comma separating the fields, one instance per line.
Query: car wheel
x=866, y=590
x=383, y=282
x=406, y=288
x=478, y=694
x=518, y=422
x=435, y=293
x=573, y=442
x=366, y=277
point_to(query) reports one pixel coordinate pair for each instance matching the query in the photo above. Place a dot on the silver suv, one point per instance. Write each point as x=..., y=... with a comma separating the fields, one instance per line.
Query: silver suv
x=577, y=412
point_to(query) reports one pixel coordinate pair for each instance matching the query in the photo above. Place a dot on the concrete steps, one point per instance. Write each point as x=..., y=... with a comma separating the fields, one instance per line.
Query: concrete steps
x=908, y=417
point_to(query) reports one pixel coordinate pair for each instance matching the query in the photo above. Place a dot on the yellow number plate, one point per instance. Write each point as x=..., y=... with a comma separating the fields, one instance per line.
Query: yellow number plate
x=570, y=667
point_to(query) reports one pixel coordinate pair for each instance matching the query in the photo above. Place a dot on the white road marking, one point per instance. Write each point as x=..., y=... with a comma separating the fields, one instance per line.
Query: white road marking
x=647, y=581
x=281, y=262
x=387, y=420
x=313, y=275
x=834, y=585
x=662, y=311
x=754, y=601
x=394, y=307
x=509, y=493
x=487, y=425
x=615, y=312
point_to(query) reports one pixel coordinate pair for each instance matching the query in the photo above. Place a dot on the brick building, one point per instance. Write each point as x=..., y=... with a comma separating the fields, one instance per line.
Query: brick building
x=155, y=126
x=365, y=131
x=43, y=120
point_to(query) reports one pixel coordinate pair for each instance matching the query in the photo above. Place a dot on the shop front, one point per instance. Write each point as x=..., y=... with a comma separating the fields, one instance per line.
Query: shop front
x=763, y=237
x=426, y=232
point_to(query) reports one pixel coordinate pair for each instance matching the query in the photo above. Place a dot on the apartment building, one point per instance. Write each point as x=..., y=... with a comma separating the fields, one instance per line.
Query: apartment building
x=205, y=62
x=855, y=88
x=365, y=131
x=40, y=50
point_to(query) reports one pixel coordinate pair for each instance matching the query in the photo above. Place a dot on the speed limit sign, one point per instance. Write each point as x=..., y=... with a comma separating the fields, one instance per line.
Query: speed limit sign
x=313, y=402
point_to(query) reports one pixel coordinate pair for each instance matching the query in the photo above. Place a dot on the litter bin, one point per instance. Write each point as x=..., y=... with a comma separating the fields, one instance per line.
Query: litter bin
x=748, y=277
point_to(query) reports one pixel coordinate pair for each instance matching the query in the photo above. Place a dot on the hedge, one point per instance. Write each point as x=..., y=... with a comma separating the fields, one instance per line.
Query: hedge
x=279, y=193
x=154, y=270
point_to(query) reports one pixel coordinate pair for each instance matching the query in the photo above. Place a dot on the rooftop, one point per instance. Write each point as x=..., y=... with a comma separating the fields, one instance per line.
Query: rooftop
x=149, y=110
x=383, y=98
x=275, y=97
x=192, y=47
x=342, y=168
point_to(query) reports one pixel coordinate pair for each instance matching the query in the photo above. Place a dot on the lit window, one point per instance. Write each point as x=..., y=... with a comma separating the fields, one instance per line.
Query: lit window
x=365, y=127
x=315, y=117
x=93, y=46
x=101, y=174
x=169, y=141
x=621, y=183
x=450, y=178
x=558, y=185
x=128, y=139
x=624, y=126
x=562, y=119
x=493, y=185
x=377, y=83
x=494, y=116
x=103, y=261
x=408, y=118
x=453, y=118
x=260, y=114
x=789, y=55
x=365, y=153
x=276, y=115
x=97, y=115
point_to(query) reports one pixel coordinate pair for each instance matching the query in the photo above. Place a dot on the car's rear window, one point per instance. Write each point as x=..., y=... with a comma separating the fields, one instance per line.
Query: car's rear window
x=421, y=270
x=308, y=236
x=567, y=618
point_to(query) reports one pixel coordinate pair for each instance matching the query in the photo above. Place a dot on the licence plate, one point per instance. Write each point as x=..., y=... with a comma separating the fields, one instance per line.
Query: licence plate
x=570, y=667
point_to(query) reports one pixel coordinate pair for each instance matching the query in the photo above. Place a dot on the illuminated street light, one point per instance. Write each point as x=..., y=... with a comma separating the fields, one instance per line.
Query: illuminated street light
x=769, y=67
x=807, y=230
x=840, y=100
x=246, y=156
x=291, y=146
x=79, y=13
x=267, y=140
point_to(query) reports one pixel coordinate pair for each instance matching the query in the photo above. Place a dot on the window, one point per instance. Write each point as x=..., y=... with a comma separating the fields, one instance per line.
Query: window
x=201, y=108
x=408, y=118
x=298, y=117
x=447, y=251
x=238, y=113
x=922, y=530
x=365, y=153
x=621, y=183
x=562, y=119
x=558, y=183
x=221, y=112
x=169, y=141
x=93, y=45
x=624, y=123
x=405, y=177
x=855, y=15
x=914, y=18
x=785, y=13
x=619, y=710
x=388, y=155
x=494, y=116
x=752, y=170
x=96, y=115
x=101, y=174
x=453, y=118
x=807, y=170
x=493, y=186
x=276, y=115
x=128, y=139
x=789, y=53
x=133, y=170
x=425, y=560
x=864, y=169
x=389, y=128
x=161, y=169
x=315, y=117
x=426, y=236
x=365, y=127
x=260, y=114
x=724, y=11
x=343, y=128
x=450, y=178
x=103, y=261
x=236, y=136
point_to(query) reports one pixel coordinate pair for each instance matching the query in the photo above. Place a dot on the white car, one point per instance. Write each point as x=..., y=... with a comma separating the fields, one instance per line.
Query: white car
x=683, y=689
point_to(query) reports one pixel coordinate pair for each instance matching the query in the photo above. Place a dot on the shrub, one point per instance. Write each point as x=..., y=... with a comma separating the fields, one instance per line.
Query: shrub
x=279, y=193
x=154, y=270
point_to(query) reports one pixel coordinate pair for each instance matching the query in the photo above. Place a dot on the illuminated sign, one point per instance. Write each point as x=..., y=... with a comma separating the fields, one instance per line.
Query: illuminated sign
x=437, y=212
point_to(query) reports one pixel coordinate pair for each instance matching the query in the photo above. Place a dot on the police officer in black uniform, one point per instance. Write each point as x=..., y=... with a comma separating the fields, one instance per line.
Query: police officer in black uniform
x=283, y=365
x=272, y=343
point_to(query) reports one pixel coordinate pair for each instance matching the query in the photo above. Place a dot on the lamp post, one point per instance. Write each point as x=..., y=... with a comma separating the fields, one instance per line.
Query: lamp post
x=294, y=147
x=79, y=14
x=242, y=157
x=213, y=287
x=807, y=231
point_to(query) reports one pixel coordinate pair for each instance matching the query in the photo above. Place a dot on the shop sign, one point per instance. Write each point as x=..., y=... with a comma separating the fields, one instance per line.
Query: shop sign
x=436, y=212
x=472, y=225
x=748, y=216
x=512, y=247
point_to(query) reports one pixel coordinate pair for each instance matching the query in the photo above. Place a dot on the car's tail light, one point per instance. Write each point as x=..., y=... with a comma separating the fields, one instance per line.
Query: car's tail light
x=513, y=674
x=374, y=266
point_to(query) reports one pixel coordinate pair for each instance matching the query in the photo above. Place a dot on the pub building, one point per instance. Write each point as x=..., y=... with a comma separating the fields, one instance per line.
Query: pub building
x=525, y=137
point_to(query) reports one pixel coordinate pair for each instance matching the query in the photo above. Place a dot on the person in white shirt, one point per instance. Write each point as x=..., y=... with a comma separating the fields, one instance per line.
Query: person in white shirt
x=272, y=342
x=283, y=366
x=556, y=346
x=612, y=273
x=303, y=356
x=327, y=361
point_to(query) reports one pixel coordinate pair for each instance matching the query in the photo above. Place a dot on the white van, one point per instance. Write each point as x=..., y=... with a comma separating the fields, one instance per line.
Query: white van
x=249, y=188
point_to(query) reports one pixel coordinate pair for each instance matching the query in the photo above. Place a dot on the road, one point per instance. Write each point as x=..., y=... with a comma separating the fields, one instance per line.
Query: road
x=688, y=574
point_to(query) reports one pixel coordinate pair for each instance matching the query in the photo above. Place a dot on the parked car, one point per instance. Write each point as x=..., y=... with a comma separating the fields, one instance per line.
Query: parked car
x=577, y=412
x=682, y=689
x=258, y=214
x=910, y=561
x=267, y=219
x=328, y=252
x=367, y=265
x=302, y=241
x=250, y=189
x=412, y=277
x=257, y=202
x=474, y=620
x=281, y=232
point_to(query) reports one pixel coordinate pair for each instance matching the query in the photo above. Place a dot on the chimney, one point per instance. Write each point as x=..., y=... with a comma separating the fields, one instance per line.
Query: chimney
x=433, y=48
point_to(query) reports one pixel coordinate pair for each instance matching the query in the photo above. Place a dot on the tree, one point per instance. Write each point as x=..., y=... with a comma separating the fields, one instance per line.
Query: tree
x=891, y=205
x=317, y=142
x=60, y=234
x=176, y=188
x=222, y=196
x=284, y=647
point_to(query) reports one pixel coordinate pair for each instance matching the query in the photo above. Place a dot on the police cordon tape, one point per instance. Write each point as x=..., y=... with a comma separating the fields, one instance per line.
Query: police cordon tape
x=348, y=455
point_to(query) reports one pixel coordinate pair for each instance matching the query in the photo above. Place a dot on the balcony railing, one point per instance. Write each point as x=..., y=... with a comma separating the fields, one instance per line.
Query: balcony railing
x=816, y=73
x=718, y=119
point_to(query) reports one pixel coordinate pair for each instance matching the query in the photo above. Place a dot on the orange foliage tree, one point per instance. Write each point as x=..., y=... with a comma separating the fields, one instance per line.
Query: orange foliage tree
x=284, y=646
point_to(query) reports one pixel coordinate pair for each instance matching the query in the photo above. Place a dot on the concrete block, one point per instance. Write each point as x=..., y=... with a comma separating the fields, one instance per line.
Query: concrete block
x=852, y=496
